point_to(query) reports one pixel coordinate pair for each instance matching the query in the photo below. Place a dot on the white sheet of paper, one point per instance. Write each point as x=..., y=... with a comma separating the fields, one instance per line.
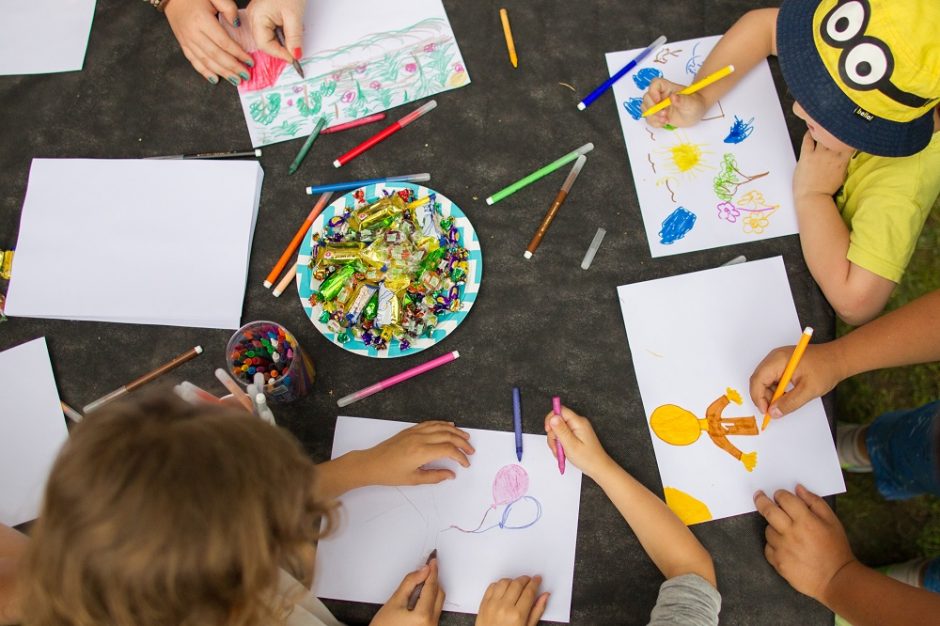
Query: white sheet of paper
x=136, y=241
x=692, y=337
x=387, y=532
x=698, y=187
x=44, y=36
x=32, y=429
x=358, y=58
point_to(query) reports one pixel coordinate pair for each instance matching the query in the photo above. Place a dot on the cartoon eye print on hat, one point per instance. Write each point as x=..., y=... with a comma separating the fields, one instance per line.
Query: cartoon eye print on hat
x=865, y=62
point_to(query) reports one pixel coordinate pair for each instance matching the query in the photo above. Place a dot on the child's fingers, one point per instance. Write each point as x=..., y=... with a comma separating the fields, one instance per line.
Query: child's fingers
x=791, y=504
x=774, y=515
x=438, y=604
x=447, y=437
x=228, y=9
x=500, y=587
x=435, y=451
x=428, y=597
x=816, y=504
x=515, y=589
x=439, y=426
x=408, y=583
x=562, y=432
x=808, y=145
x=770, y=553
x=294, y=34
x=773, y=537
x=433, y=476
x=529, y=592
x=536, y=614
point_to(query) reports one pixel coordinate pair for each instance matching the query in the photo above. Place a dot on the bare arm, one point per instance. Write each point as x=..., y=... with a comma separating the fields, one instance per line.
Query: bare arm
x=12, y=547
x=667, y=541
x=865, y=597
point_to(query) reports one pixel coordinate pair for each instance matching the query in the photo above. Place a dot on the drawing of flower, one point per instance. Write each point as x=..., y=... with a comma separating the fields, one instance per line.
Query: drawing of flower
x=297, y=89
x=336, y=76
x=290, y=102
x=411, y=68
x=361, y=68
x=348, y=97
x=727, y=211
x=430, y=47
x=756, y=223
x=375, y=85
x=458, y=67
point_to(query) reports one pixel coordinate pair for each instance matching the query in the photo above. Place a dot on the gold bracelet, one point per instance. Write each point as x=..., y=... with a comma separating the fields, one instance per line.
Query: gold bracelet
x=159, y=5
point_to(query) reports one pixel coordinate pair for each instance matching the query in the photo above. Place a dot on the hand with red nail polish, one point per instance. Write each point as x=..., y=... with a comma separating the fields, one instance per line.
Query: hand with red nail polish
x=204, y=42
x=267, y=15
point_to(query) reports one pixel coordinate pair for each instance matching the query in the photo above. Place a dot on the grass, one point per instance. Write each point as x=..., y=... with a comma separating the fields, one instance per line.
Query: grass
x=883, y=532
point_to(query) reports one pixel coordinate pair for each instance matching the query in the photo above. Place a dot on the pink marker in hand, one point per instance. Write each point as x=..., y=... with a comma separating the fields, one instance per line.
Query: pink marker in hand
x=559, y=451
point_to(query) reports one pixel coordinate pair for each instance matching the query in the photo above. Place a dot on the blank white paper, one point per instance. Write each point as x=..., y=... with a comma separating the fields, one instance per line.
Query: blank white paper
x=695, y=336
x=387, y=532
x=136, y=241
x=723, y=181
x=32, y=429
x=44, y=36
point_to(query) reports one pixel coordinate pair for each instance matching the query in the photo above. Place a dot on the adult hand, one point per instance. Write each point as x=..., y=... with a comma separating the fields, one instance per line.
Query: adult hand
x=203, y=40
x=806, y=543
x=267, y=15
x=399, y=459
x=817, y=373
x=820, y=171
x=581, y=445
x=427, y=611
x=512, y=603
x=685, y=110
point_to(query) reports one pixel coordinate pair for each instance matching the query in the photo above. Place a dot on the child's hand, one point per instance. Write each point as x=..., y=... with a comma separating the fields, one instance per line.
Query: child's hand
x=820, y=171
x=578, y=439
x=685, y=110
x=204, y=42
x=817, y=374
x=399, y=459
x=806, y=543
x=512, y=603
x=266, y=15
x=427, y=611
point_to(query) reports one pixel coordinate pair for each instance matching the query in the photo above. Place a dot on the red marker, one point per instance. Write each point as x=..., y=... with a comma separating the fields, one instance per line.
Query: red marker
x=362, y=121
x=559, y=451
x=384, y=134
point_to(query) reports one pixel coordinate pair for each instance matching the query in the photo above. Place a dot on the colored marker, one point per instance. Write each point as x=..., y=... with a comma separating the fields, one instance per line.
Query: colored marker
x=384, y=134
x=196, y=392
x=788, y=371
x=510, y=44
x=540, y=173
x=209, y=155
x=264, y=411
x=517, y=420
x=397, y=378
x=593, y=248
x=416, y=592
x=356, y=184
x=295, y=242
x=705, y=82
x=71, y=413
x=306, y=147
x=288, y=277
x=607, y=84
x=736, y=260
x=552, y=210
x=279, y=33
x=559, y=451
x=234, y=389
x=362, y=121
x=143, y=380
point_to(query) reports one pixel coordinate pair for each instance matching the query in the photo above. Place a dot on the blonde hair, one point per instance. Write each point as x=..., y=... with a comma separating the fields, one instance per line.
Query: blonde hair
x=160, y=512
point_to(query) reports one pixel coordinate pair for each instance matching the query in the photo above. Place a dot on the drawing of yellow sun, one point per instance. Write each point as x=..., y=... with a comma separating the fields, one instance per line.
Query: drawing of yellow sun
x=685, y=157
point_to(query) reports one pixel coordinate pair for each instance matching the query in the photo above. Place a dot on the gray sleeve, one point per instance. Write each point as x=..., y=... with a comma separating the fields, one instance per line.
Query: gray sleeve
x=687, y=600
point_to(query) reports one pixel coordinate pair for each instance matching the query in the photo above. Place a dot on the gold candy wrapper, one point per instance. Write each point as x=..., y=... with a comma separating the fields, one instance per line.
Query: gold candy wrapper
x=338, y=254
x=6, y=264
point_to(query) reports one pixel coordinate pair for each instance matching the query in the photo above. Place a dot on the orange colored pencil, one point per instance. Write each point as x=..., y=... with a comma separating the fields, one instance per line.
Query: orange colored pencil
x=788, y=371
x=295, y=242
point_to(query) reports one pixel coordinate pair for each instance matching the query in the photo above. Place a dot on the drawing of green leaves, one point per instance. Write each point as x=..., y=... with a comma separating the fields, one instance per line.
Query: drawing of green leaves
x=439, y=61
x=310, y=105
x=265, y=109
x=328, y=88
x=286, y=129
x=388, y=67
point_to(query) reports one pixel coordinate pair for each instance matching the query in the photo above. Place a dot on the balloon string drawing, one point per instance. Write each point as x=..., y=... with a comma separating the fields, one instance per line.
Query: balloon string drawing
x=509, y=490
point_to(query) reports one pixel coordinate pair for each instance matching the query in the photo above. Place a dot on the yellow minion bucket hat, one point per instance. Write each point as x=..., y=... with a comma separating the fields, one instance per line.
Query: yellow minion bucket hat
x=867, y=70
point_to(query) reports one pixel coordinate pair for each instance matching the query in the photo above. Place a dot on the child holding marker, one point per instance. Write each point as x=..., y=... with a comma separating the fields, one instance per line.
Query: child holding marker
x=865, y=75
x=213, y=53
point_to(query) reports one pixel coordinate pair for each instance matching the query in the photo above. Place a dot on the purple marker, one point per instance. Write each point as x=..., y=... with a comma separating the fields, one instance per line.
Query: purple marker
x=559, y=451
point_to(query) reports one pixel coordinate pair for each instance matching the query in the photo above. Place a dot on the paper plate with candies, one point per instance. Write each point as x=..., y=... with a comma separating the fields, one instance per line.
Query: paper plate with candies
x=389, y=270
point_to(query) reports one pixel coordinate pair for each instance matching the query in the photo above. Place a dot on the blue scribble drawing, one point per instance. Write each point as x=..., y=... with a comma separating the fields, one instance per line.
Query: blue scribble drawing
x=740, y=130
x=645, y=76
x=634, y=107
x=694, y=63
x=676, y=225
x=509, y=488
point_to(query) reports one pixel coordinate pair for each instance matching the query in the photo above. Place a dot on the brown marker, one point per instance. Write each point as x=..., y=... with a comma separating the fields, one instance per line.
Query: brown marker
x=552, y=210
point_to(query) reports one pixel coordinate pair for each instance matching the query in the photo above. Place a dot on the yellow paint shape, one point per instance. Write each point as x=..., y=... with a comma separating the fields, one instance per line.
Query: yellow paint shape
x=675, y=425
x=686, y=156
x=688, y=509
x=734, y=395
x=749, y=460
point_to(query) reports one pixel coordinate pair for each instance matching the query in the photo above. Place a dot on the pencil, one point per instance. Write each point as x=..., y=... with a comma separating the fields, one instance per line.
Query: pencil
x=788, y=371
x=295, y=242
x=552, y=210
x=71, y=413
x=539, y=173
x=143, y=380
x=416, y=592
x=362, y=121
x=279, y=33
x=384, y=134
x=288, y=277
x=306, y=147
x=705, y=82
x=510, y=44
x=607, y=84
x=356, y=184
x=209, y=155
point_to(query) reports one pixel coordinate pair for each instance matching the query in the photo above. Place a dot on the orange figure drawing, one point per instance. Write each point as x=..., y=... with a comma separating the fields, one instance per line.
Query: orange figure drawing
x=679, y=427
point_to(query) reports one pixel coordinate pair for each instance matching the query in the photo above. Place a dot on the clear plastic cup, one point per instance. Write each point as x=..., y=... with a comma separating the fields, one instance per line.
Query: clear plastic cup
x=269, y=348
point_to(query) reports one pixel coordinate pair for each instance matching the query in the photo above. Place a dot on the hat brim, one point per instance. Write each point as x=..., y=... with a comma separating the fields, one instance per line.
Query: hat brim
x=812, y=86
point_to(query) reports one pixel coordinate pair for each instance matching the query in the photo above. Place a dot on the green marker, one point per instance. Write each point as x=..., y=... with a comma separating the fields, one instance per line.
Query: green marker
x=306, y=147
x=537, y=174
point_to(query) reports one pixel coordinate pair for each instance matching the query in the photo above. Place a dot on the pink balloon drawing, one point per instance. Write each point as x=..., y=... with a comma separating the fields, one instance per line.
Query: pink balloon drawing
x=509, y=489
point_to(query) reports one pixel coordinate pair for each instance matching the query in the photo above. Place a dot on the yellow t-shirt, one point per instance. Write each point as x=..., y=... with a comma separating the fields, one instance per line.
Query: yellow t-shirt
x=885, y=202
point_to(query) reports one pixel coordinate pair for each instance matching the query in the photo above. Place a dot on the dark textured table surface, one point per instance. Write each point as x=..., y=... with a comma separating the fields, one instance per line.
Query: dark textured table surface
x=544, y=325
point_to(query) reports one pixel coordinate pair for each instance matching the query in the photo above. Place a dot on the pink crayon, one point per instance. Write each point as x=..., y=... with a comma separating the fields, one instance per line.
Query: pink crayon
x=559, y=451
x=397, y=378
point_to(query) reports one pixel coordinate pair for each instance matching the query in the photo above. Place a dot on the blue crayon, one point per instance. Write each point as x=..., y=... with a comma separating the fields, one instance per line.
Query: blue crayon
x=517, y=420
